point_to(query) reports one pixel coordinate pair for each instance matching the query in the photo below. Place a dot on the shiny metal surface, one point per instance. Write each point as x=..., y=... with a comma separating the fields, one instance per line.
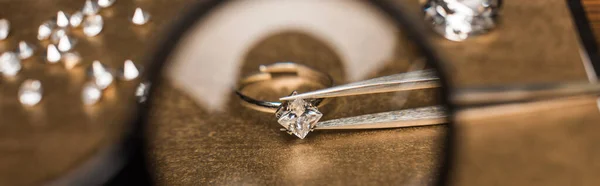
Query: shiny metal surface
x=412, y=117
x=282, y=69
x=482, y=95
x=398, y=82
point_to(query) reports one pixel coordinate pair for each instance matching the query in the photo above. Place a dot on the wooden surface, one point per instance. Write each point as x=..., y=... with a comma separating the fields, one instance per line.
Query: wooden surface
x=592, y=8
x=541, y=144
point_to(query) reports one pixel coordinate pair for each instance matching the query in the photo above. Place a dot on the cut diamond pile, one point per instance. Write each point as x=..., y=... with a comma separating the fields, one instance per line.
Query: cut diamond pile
x=55, y=35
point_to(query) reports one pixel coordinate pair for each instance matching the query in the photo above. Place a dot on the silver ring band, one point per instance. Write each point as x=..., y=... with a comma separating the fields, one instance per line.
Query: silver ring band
x=271, y=71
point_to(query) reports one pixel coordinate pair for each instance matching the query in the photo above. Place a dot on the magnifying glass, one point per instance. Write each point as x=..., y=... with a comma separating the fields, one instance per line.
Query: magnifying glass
x=214, y=114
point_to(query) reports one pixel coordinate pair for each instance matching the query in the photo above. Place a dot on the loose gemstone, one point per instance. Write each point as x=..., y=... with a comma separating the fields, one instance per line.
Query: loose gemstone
x=91, y=93
x=92, y=25
x=58, y=34
x=45, y=30
x=62, y=19
x=71, y=59
x=65, y=43
x=30, y=92
x=458, y=19
x=10, y=64
x=90, y=8
x=298, y=117
x=52, y=54
x=4, y=28
x=140, y=17
x=76, y=19
x=130, y=71
x=101, y=75
x=141, y=92
x=106, y=3
x=25, y=50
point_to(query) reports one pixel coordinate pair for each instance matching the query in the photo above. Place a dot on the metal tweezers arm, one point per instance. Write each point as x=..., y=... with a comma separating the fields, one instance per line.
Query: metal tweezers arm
x=472, y=98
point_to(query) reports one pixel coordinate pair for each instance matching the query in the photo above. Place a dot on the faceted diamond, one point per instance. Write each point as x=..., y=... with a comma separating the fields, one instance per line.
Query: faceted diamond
x=106, y=3
x=76, y=19
x=45, y=30
x=298, y=117
x=62, y=19
x=92, y=25
x=140, y=17
x=101, y=75
x=65, y=43
x=91, y=93
x=4, y=28
x=10, y=64
x=25, y=50
x=71, y=59
x=458, y=19
x=30, y=92
x=58, y=34
x=90, y=8
x=141, y=92
x=130, y=71
x=52, y=54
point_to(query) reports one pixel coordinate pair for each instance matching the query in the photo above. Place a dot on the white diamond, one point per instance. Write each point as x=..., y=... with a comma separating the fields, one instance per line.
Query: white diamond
x=71, y=59
x=65, y=43
x=58, y=34
x=130, y=71
x=90, y=94
x=92, y=25
x=62, y=19
x=457, y=20
x=140, y=17
x=4, y=28
x=10, y=64
x=25, y=50
x=106, y=3
x=30, y=92
x=76, y=19
x=101, y=75
x=52, y=54
x=45, y=30
x=141, y=92
x=90, y=8
x=298, y=117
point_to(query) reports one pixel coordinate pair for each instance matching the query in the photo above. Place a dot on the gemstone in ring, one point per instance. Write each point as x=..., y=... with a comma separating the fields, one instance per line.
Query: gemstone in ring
x=298, y=117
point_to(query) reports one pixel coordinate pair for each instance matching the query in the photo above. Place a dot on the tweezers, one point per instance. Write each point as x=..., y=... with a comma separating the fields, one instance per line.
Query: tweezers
x=424, y=79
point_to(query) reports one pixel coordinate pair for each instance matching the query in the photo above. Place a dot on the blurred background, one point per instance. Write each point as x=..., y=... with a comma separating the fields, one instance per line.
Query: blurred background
x=194, y=132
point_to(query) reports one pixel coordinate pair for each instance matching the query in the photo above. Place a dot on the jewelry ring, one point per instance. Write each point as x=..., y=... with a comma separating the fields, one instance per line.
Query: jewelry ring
x=297, y=116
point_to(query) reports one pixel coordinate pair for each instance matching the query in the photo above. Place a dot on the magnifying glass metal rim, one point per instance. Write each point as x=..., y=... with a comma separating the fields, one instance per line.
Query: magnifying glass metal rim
x=395, y=11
